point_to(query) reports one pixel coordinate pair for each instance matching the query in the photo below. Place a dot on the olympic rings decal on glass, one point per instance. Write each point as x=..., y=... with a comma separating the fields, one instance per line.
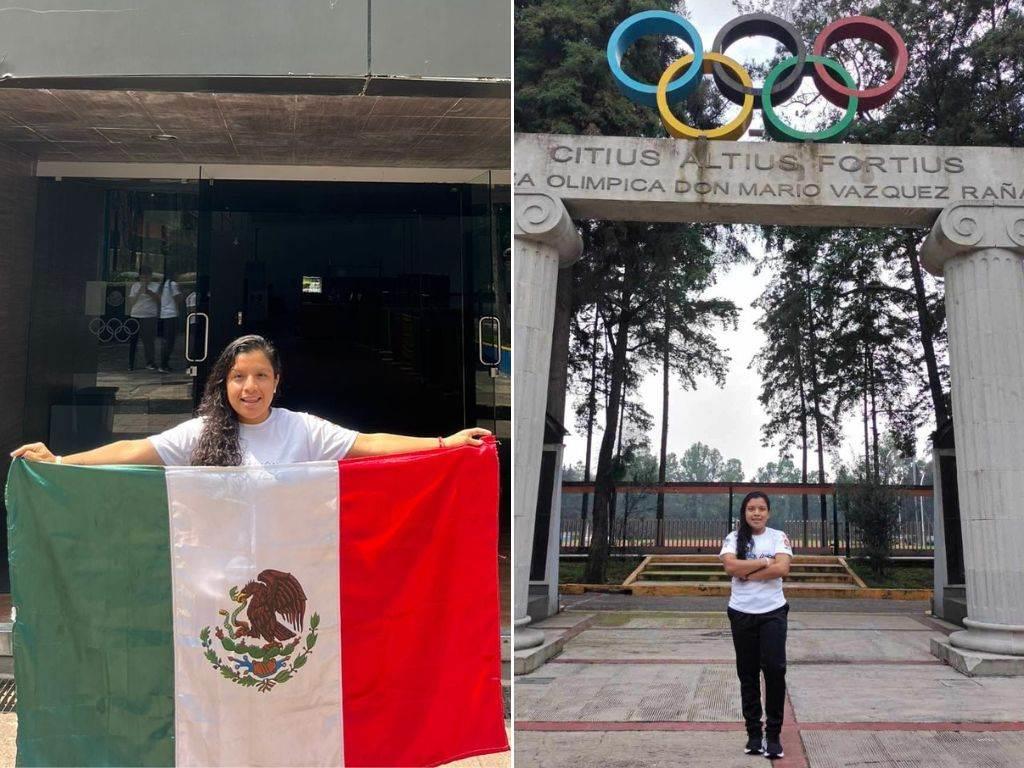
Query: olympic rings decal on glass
x=683, y=75
x=113, y=329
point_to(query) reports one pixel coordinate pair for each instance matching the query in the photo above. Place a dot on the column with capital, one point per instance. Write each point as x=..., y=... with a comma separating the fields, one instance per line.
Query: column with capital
x=545, y=241
x=979, y=249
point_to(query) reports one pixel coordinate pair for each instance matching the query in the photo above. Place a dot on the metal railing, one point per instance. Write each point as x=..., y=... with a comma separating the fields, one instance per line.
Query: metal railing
x=699, y=515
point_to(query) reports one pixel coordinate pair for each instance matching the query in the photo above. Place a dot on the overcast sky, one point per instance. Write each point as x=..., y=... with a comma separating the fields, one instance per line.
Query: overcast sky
x=728, y=418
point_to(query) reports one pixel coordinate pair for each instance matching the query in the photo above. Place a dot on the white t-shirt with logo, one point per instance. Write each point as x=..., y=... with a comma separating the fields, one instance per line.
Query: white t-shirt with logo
x=758, y=596
x=143, y=304
x=168, y=305
x=283, y=438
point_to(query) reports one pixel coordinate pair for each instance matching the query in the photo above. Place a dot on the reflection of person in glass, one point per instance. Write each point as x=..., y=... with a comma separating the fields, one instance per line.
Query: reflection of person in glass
x=144, y=306
x=237, y=425
x=170, y=310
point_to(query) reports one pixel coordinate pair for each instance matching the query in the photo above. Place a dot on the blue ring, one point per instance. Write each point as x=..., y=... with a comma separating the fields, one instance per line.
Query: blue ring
x=655, y=23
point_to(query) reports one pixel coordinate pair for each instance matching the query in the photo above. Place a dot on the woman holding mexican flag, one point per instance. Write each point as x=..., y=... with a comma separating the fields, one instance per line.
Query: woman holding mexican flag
x=255, y=579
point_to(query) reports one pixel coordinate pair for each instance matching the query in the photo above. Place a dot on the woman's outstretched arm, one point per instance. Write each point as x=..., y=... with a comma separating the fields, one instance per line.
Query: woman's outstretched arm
x=381, y=443
x=120, y=452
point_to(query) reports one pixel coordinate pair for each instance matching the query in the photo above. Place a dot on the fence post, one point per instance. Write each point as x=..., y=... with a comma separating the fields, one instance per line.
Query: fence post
x=729, y=524
x=835, y=523
x=583, y=520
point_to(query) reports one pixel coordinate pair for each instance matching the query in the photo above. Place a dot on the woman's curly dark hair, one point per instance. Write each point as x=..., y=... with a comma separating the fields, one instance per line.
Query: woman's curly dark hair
x=218, y=444
x=746, y=534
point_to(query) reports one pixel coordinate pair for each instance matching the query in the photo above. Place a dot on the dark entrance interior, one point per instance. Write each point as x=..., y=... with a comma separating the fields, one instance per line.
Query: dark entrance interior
x=389, y=303
x=364, y=288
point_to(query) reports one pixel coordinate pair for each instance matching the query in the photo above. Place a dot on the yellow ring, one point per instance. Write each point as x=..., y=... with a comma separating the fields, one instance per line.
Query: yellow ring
x=731, y=130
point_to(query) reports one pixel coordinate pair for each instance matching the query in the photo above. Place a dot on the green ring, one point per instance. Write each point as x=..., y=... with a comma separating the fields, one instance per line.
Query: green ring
x=778, y=130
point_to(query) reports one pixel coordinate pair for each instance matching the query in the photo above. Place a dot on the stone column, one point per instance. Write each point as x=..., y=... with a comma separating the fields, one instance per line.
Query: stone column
x=979, y=249
x=545, y=240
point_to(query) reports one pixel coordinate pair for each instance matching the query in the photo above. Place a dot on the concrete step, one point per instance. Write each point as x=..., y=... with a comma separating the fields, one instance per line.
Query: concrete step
x=793, y=568
x=719, y=588
x=797, y=559
x=801, y=578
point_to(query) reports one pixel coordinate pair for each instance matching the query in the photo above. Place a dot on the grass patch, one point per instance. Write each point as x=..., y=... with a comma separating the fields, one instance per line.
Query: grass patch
x=898, y=576
x=571, y=571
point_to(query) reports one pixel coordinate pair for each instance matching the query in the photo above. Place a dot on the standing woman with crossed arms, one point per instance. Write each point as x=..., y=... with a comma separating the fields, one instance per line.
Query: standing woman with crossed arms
x=757, y=557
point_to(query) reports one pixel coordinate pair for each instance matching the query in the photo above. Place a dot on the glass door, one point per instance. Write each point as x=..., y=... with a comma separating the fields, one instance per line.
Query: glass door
x=360, y=286
x=489, y=353
x=116, y=271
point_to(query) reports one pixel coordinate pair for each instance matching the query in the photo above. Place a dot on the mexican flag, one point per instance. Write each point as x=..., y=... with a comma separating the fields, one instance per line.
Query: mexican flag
x=329, y=613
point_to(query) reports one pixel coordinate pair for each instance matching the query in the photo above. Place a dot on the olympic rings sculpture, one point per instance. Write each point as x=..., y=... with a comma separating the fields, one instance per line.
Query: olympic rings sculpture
x=783, y=81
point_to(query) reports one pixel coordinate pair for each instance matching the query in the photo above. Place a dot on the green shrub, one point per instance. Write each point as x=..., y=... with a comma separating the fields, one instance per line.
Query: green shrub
x=874, y=510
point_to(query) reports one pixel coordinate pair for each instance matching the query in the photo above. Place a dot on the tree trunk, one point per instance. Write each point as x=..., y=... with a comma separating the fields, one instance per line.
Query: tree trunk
x=613, y=506
x=867, y=442
x=591, y=413
x=874, y=421
x=660, y=511
x=927, y=337
x=604, y=485
x=816, y=393
x=803, y=437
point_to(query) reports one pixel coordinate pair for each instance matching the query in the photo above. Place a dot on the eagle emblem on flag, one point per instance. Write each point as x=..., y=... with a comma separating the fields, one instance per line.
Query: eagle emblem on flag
x=261, y=647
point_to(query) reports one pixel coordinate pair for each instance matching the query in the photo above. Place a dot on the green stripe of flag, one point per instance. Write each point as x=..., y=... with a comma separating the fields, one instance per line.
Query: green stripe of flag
x=93, y=600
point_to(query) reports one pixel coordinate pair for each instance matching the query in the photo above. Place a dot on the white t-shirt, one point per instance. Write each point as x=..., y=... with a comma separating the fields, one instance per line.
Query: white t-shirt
x=285, y=437
x=168, y=305
x=144, y=305
x=758, y=596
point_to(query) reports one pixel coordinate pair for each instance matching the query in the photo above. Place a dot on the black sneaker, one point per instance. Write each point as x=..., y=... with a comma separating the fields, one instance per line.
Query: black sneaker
x=755, y=745
x=150, y=367
x=773, y=748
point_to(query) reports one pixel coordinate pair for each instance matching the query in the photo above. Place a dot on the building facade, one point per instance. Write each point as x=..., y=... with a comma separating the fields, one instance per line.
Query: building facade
x=331, y=173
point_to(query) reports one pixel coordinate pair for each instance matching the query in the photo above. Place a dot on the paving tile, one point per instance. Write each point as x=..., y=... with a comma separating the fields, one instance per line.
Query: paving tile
x=895, y=693
x=629, y=693
x=928, y=749
x=633, y=749
x=841, y=645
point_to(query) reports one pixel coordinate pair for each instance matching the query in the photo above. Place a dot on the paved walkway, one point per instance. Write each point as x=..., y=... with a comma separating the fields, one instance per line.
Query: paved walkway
x=645, y=684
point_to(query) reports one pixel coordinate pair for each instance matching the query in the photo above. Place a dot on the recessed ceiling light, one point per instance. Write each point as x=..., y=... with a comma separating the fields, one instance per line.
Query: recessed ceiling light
x=163, y=137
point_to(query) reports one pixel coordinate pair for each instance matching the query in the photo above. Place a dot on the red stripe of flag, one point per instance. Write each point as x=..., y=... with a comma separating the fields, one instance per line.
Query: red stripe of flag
x=421, y=675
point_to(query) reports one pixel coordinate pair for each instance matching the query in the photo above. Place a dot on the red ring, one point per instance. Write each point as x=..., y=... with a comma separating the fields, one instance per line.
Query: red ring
x=872, y=30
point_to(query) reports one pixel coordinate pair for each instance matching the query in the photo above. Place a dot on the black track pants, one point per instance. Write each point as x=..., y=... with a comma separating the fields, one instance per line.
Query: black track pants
x=760, y=642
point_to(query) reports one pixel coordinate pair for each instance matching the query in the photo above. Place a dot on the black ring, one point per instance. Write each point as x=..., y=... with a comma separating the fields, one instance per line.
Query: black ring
x=759, y=25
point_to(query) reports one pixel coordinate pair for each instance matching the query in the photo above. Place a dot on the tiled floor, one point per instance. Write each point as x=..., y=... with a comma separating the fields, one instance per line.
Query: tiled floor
x=652, y=684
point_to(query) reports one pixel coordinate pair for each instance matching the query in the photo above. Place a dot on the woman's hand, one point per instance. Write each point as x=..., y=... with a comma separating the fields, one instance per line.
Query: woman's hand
x=34, y=452
x=469, y=436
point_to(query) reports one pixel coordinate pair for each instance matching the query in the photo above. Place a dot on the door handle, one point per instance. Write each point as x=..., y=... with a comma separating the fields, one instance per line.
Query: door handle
x=480, y=341
x=188, y=337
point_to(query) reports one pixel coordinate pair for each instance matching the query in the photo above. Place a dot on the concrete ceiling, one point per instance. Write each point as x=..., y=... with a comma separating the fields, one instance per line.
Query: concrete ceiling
x=294, y=129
